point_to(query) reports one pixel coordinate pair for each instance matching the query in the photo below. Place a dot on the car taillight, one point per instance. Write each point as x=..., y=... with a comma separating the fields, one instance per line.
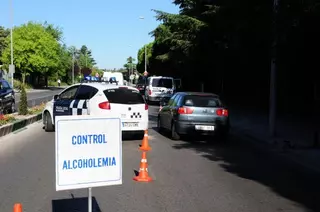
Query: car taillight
x=185, y=110
x=146, y=106
x=149, y=92
x=105, y=105
x=222, y=112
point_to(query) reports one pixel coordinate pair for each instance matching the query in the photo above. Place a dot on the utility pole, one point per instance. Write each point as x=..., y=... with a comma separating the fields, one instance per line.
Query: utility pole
x=86, y=59
x=72, y=67
x=145, y=50
x=273, y=73
x=11, y=70
x=145, y=58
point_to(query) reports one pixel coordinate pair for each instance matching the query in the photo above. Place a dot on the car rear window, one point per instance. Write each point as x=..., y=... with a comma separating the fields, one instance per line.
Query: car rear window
x=201, y=101
x=124, y=96
x=162, y=82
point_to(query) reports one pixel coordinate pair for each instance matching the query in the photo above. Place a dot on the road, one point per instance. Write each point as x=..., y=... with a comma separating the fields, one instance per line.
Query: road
x=188, y=176
x=36, y=97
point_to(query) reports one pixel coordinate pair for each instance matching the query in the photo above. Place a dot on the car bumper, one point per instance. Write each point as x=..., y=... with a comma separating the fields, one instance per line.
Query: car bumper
x=189, y=128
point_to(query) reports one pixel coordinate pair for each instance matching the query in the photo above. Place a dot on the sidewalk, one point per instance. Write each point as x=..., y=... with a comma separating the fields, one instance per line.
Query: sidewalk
x=294, y=137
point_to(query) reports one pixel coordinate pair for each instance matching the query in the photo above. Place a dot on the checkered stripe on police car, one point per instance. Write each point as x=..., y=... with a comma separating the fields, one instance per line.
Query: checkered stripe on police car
x=136, y=115
x=79, y=107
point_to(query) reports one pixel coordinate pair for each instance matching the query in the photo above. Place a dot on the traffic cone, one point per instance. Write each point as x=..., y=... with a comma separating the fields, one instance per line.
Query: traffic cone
x=143, y=171
x=145, y=142
x=17, y=207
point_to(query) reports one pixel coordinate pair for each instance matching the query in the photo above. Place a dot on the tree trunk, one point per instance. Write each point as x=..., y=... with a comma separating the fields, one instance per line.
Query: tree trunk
x=23, y=77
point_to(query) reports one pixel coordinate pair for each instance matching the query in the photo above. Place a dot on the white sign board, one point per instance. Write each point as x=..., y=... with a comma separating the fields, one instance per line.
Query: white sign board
x=88, y=152
x=11, y=69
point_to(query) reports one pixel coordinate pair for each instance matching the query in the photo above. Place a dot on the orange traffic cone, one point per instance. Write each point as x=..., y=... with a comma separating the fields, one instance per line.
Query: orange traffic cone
x=17, y=207
x=145, y=142
x=143, y=171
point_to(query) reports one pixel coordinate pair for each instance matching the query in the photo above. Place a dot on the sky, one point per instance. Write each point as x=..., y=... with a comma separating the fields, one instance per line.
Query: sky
x=111, y=29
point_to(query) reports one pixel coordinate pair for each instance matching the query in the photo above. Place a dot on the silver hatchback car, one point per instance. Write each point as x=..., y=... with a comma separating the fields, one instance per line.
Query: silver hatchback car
x=189, y=113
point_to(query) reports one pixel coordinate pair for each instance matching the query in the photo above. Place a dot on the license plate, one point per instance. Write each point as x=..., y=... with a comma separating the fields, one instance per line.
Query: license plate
x=130, y=124
x=206, y=128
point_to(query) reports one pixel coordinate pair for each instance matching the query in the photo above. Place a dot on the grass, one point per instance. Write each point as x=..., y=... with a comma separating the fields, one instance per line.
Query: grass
x=55, y=83
x=18, y=84
x=9, y=118
x=36, y=109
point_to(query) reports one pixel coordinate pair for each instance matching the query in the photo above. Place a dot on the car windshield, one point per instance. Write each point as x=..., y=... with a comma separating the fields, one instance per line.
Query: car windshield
x=201, y=101
x=162, y=82
x=124, y=96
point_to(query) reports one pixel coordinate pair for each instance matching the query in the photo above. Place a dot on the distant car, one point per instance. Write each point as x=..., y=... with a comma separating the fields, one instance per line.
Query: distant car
x=102, y=99
x=7, y=98
x=158, y=87
x=189, y=113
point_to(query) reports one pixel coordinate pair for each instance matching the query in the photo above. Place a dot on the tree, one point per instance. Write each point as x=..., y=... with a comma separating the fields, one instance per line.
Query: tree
x=4, y=33
x=141, y=57
x=23, y=106
x=35, y=50
x=56, y=32
x=130, y=65
x=226, y=45
x=85, y=58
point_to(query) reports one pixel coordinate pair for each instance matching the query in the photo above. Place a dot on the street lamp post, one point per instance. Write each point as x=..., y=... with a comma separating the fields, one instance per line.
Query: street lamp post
x=11, y=42
x=273, y=74
x=145, y=51
x=72, y=67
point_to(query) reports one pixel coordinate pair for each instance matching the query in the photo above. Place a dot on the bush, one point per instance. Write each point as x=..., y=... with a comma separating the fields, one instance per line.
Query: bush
x=23, y=106
x=5, y=119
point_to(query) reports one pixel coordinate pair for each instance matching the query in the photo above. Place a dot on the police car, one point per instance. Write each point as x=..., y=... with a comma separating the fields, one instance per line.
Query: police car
x=102, y=99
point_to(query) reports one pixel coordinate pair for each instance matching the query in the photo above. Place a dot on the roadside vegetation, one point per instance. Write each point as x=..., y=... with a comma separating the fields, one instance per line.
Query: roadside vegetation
x=227, y=47
x=39, y=53
x=10, y=118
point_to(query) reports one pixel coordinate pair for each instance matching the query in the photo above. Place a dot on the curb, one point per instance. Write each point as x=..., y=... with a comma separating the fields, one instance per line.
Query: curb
x=17, y=125
x=266, y=145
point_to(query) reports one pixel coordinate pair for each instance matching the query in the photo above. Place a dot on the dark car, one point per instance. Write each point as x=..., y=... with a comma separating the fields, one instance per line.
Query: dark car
x=7, y=99
x=141, y=85
x=189, y=113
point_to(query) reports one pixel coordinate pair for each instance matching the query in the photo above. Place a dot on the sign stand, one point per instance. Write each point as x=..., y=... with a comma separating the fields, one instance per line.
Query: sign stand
x=89, y=199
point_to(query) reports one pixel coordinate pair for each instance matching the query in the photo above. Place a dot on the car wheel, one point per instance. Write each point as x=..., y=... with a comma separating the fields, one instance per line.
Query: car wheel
x=160, y=129
x=48, y=126
x=12, y=108
x=174, y=134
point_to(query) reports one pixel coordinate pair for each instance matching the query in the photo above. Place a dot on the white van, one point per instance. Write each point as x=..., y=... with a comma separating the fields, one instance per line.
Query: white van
x=113, y=76
x=159, y=87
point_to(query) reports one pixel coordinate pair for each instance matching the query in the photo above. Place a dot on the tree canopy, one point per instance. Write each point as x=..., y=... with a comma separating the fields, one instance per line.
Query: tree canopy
x=39, y=50
x=227, y=46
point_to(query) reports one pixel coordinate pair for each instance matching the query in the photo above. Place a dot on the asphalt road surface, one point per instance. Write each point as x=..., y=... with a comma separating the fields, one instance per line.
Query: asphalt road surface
x=189, y=176
x=36, y=97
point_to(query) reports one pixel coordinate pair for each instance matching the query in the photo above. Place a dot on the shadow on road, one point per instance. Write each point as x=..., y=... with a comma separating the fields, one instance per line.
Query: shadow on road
x=241, y=158
x=74, y=204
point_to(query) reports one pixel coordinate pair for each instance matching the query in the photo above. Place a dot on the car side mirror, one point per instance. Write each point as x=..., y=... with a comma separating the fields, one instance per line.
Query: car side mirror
x=55, y=97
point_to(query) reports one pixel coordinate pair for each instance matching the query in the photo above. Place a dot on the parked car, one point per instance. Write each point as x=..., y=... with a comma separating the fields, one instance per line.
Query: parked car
x=189, y=113
x=7, y=98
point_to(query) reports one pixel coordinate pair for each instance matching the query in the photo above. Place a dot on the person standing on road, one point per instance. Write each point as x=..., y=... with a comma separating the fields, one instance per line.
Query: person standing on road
x=59, y=82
